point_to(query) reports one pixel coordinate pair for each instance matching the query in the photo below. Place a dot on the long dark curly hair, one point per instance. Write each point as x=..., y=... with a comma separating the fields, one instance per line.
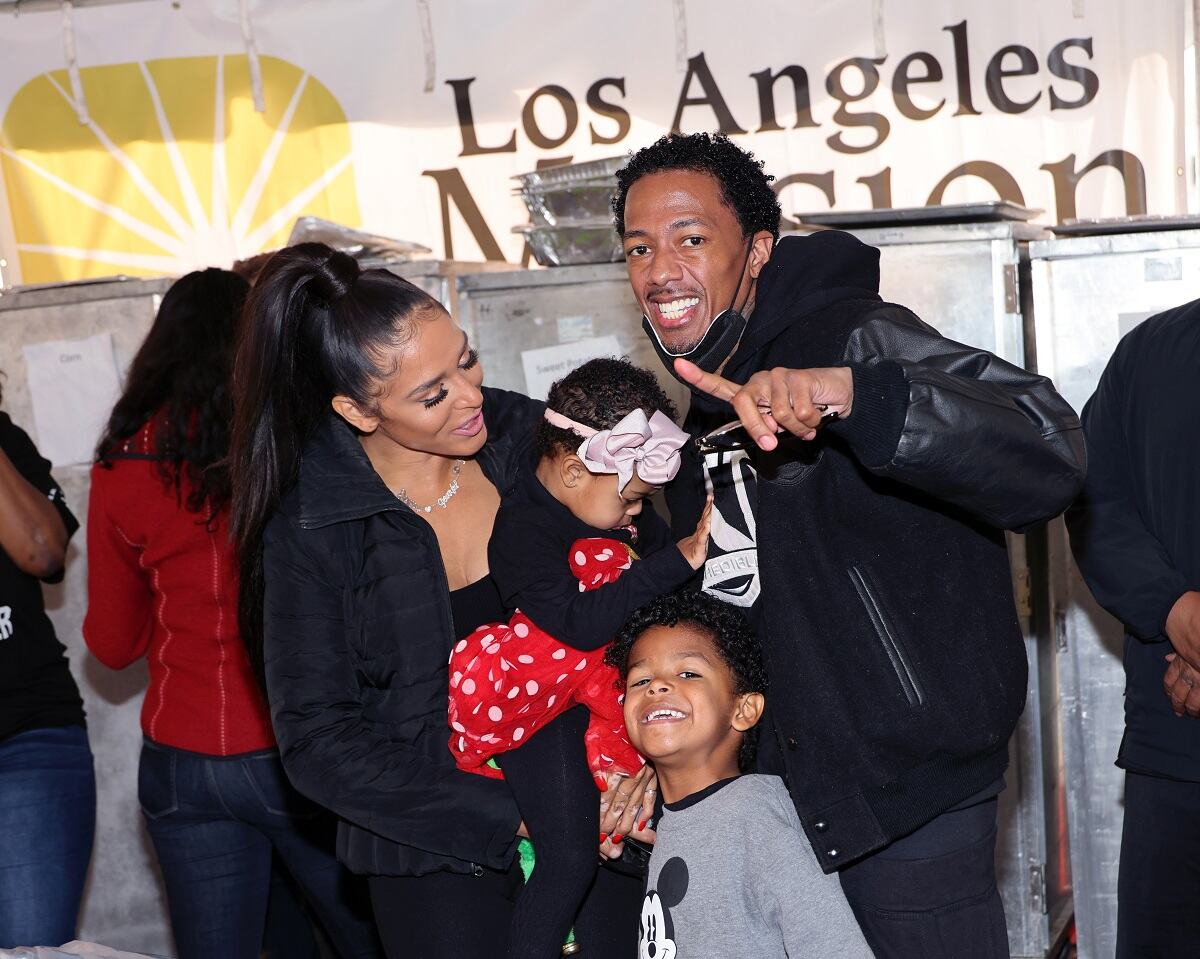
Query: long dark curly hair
x=178, y=387
x=732, y=636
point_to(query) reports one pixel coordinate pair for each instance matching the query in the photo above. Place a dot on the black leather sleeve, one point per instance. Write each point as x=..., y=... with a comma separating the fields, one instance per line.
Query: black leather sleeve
x=959, y=423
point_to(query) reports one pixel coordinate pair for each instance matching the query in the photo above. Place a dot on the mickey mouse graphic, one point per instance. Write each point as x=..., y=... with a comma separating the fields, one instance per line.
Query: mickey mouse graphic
x=656, y=932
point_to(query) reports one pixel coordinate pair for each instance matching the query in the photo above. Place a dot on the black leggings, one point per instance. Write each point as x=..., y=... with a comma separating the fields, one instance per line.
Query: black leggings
x=450, y=916
x=559, y=803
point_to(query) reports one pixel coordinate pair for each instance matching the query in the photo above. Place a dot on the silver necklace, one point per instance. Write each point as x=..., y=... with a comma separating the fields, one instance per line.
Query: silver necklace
x=442, y=500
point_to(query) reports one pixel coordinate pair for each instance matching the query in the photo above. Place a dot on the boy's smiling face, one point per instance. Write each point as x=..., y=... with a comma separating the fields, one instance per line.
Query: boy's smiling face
x=682, y=710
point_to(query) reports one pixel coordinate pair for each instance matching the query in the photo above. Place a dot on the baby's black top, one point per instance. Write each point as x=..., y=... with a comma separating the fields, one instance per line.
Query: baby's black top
x=528, y=557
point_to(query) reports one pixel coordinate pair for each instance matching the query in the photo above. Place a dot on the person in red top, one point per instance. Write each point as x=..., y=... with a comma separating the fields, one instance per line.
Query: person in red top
x=162, y=583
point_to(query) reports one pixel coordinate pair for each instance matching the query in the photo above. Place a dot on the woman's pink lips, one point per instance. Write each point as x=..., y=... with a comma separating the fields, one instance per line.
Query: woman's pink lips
x=472, y=426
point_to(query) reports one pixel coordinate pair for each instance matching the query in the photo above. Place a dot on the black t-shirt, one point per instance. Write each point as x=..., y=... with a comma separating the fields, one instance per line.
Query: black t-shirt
x=36, y=686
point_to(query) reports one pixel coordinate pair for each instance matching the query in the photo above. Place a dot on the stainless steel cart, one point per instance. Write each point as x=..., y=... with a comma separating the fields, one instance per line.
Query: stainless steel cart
x=970, y=281
x=1087, y=293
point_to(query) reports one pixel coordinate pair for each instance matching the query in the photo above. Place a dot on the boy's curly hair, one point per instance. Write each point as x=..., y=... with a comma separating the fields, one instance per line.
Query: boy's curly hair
x=599, y=394
x=744, y=186
x=732, y=636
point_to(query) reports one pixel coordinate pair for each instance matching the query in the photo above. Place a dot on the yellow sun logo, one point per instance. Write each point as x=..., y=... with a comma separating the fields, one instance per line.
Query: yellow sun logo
x=173, y=168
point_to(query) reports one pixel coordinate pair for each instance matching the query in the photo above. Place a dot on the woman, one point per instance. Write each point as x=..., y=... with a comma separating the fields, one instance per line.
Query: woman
x=47, y=783
x=162, y=583
x=368, y=461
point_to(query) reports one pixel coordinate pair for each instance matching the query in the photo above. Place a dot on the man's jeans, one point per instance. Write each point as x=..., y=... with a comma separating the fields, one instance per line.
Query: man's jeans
x=933, y=895
x=47, y=821
x=214, y=822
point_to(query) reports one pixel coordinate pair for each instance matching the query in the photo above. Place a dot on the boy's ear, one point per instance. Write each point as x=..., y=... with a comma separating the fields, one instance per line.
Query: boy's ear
x=749, y=711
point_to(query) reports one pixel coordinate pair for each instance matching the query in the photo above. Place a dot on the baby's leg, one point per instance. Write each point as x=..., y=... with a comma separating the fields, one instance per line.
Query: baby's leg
x=559, y=803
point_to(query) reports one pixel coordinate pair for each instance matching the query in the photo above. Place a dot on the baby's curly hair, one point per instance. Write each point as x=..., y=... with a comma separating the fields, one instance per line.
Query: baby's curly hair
x=744, y=185
x=732, y=636
x=599, y=394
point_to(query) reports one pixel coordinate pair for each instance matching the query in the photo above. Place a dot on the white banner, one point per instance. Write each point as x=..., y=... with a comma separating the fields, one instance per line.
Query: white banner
x=408, y=118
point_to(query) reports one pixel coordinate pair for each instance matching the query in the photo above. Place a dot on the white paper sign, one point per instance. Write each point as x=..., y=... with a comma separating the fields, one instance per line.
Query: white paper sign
x=550, y=363
x=73, y=385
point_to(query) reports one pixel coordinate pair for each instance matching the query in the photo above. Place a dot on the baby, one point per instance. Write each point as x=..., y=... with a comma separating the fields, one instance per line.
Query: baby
x=562, y=555
x=732, y=874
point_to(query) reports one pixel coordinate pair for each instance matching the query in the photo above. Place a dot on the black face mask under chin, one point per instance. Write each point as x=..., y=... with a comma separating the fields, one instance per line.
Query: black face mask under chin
x=714, y=348
x=719, y=340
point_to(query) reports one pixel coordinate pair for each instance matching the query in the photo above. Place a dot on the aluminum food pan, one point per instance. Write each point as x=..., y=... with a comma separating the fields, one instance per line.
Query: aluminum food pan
x=987, y=210
x=571, y=173
x=358, y=244
x=583, y=201
x=574, y=244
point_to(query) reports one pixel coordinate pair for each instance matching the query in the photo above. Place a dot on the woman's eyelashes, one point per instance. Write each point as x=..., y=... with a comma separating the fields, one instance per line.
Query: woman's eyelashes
x=470, y=362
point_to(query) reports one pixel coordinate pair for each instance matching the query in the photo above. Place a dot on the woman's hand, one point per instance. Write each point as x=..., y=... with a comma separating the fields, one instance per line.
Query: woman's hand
x=695, y=547
x=625, y=809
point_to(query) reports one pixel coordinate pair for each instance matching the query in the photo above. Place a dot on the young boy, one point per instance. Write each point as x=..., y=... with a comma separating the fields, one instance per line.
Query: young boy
x=731, y=874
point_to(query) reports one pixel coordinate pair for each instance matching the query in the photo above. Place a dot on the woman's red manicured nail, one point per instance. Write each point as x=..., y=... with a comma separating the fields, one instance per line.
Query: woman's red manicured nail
x=642, y=824
x=617, y=837
x=602, y=783
x=603, y=836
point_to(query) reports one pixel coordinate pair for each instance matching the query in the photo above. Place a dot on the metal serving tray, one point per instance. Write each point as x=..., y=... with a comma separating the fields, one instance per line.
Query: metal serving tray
x=990, y=210
x=571, y=174
x=584, y=201
x=576, y=243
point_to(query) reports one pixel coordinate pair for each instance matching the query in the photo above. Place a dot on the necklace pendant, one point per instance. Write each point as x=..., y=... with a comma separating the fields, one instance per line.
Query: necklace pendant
x=442, y=501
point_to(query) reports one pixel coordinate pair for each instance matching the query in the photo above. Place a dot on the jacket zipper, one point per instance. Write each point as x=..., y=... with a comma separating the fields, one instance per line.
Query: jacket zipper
x=895, y=653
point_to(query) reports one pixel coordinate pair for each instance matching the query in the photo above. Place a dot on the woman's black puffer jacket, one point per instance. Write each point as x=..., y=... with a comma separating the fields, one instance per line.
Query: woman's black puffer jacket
x=357, y=635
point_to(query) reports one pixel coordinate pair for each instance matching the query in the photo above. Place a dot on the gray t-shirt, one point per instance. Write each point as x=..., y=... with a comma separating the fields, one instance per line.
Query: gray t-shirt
x=733, y=876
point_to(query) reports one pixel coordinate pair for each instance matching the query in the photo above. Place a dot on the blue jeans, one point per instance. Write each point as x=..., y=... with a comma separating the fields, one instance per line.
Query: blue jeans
x=214, y=822
x=47, y=821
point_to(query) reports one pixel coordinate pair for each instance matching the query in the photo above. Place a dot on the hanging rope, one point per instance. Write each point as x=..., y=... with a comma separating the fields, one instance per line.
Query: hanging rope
x=681, y=41
x=427, y=46
x=68, y=23
x=256, y=84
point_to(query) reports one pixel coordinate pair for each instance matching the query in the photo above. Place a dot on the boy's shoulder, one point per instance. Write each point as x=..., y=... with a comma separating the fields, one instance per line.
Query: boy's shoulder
x=768, y=794
x=756, y=807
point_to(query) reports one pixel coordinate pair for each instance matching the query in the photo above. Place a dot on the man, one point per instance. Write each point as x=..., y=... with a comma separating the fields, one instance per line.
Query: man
x=868, y=548
x=1136, y=536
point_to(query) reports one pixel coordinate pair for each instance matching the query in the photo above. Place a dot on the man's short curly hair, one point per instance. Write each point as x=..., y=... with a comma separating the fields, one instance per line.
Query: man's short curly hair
x=732, y=636
x=599, y=394
x=744, y=186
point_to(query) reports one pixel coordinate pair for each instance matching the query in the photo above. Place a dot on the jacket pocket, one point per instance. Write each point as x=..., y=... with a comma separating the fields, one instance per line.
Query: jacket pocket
x=888, y=639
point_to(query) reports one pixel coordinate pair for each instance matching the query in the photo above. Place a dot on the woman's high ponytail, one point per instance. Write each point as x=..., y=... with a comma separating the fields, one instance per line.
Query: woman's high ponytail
x=314, y=324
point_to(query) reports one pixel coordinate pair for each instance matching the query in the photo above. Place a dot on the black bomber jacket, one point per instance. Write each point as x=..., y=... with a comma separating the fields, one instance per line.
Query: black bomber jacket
x=886, y=613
